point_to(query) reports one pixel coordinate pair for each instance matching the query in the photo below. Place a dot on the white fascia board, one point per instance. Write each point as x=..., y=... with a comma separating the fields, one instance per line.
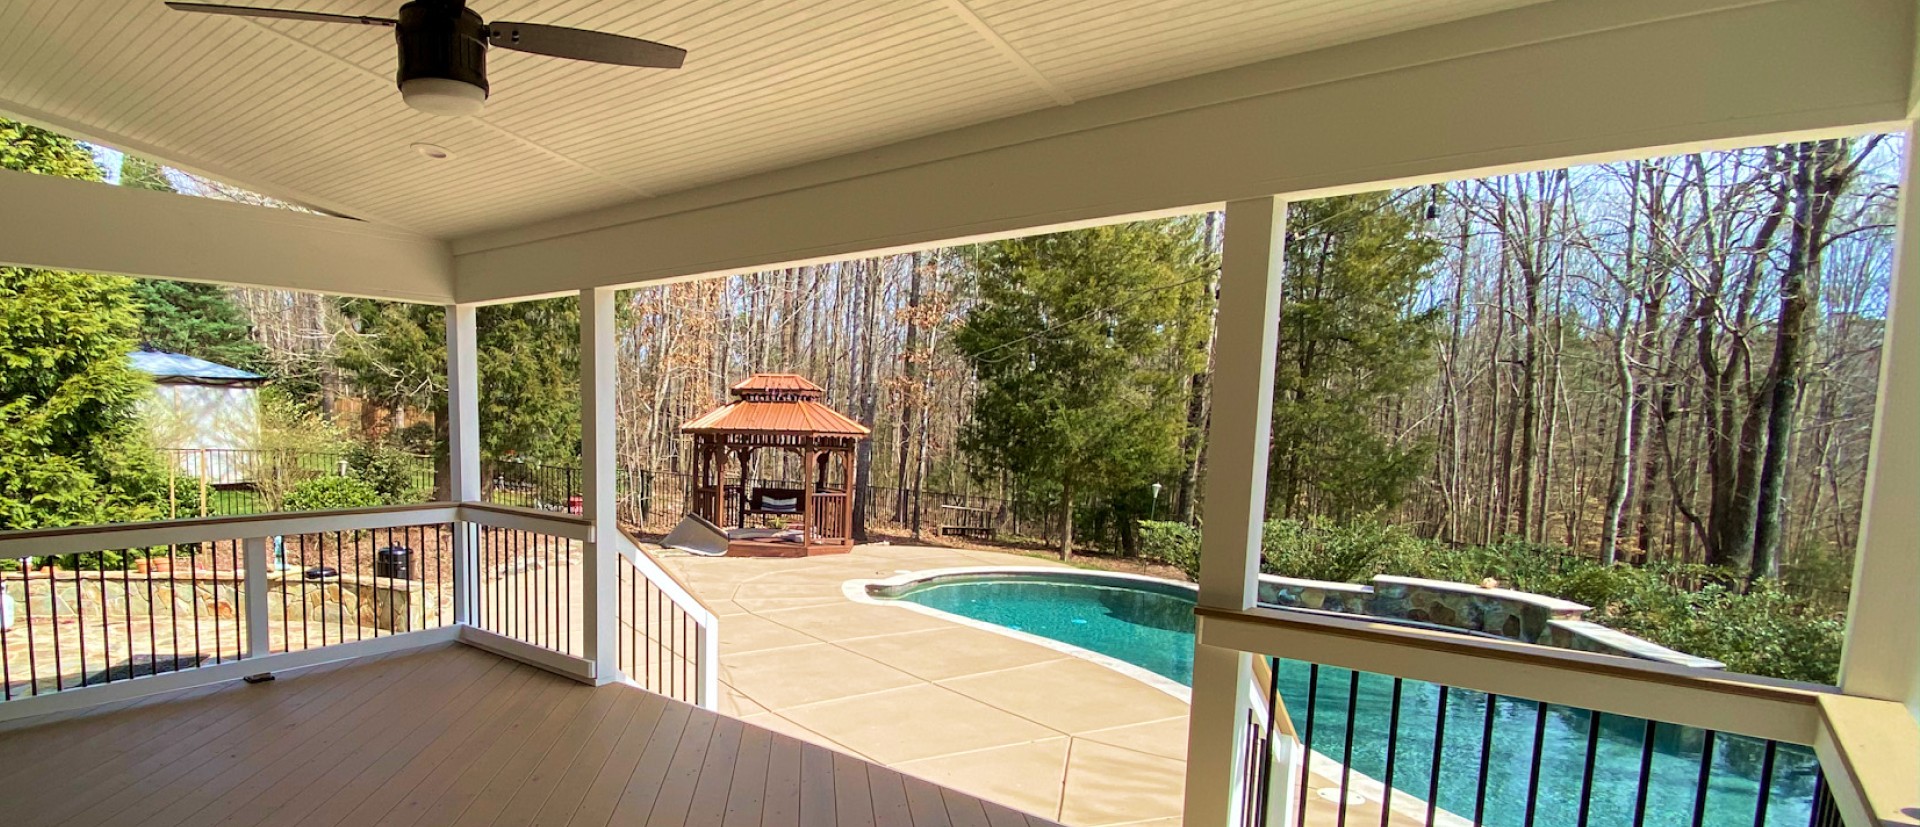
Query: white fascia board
x=1554, y=83
x=60, y=223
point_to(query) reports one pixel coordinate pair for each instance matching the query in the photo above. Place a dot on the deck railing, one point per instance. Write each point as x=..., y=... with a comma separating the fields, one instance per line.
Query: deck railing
x=107, y=612
x=1419, y=727
x=670, y=641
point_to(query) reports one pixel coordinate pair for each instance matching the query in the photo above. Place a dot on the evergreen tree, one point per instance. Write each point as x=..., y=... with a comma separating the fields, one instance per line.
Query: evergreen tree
x=1351, y=340
x=529, y=370
x=1080, y=342
x=195, y=319
x=71, y=447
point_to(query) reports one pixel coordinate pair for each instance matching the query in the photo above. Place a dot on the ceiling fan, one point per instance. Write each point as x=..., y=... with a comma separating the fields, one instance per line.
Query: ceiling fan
x=443, y=48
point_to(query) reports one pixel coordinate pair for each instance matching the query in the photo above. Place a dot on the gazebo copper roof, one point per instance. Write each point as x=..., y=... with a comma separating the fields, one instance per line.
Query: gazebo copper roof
x=776, y=403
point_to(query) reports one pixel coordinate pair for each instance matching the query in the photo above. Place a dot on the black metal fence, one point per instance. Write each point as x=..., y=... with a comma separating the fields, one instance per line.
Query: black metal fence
x=230, y=482
x=1430, y=754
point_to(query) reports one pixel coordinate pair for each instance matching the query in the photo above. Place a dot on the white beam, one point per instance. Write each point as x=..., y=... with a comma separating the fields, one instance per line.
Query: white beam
x=1237, y=434
x=1882, y=655
x=61, y=223
x=600, y=601
x=463, y=449
x=1543, y=84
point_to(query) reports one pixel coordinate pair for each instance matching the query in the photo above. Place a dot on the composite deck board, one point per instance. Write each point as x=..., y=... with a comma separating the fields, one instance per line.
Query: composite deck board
x=446, y=735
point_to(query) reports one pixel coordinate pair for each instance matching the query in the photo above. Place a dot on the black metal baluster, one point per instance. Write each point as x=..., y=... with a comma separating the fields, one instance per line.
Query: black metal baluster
x=1766, y=784
x=1533, y=774
x=1486, y=760
x=1706, y=775
x=106, y=618
x=153, y=638
x=1346, y=748
x=6, y=658
x=1439, y=748
x=173, y=607
x=306, y=616
x=1393, y=745
x=33, y=655
x=1264, y=760
x=193, y=581
x=1646, y=775
x=286, y=628
x=339, y=580
x=1586, y=776
x=80, y=617
x=1306, y=757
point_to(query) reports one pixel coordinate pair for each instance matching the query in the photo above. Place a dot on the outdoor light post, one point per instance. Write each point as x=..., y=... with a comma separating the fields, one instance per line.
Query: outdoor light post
x=1153, y=511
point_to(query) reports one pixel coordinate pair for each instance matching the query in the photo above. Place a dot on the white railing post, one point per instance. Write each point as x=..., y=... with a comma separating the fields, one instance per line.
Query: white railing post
x=707, y=670
x=1235, y=503
x=463, y=450
x=600, y=580
x=253, y=559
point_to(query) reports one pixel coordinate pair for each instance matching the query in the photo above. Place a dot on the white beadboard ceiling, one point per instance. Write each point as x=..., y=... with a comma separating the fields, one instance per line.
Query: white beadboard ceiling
x=308, y=111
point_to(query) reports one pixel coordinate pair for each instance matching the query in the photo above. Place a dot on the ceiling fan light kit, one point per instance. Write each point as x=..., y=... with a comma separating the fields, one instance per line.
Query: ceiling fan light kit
x=443, y=48
x=443, y=58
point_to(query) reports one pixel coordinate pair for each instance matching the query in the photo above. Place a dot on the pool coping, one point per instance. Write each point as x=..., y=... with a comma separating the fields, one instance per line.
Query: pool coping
x=858, y=592
x=1402, y=802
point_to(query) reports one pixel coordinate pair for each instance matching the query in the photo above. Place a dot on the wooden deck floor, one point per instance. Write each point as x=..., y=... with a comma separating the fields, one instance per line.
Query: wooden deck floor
x=445, y=736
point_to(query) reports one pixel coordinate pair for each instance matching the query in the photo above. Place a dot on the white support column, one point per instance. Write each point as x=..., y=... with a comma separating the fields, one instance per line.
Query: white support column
x=600, y=602
x=1236, y=496
x=1882, y=657
x=463, y=449
x=253, y=557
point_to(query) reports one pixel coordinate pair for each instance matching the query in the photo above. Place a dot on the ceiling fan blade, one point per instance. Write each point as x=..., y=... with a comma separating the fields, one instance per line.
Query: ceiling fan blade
x=580, y=44
x=283, y=14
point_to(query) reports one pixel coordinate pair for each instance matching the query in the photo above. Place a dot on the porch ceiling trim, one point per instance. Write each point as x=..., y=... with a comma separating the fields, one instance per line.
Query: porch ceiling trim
x=59, y=223
x=1553, y=83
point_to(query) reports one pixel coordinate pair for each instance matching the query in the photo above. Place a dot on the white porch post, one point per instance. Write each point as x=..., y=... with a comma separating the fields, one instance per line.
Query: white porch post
x=1882, y=656
x=599, y=603
x=463, y=450
x=1235, y=500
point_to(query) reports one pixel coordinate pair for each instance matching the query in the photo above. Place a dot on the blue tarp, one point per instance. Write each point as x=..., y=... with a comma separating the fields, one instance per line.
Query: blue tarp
x=183, y=369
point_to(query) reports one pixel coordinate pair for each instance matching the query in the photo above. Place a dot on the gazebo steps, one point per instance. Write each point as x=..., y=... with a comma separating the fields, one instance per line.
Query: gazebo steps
x=778, y=548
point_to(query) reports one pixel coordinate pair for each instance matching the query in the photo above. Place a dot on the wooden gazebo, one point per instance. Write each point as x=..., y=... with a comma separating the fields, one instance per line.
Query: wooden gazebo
x=780, y=412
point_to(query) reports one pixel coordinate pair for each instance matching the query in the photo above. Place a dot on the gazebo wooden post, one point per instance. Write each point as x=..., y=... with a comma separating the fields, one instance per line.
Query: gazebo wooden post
x=806, y=497
x=846, y=514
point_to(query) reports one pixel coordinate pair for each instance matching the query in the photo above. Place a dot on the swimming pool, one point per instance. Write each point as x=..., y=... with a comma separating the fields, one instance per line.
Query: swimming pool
x=1149, y=623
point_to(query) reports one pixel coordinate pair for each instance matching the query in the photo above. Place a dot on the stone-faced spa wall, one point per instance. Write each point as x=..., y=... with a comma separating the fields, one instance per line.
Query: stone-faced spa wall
x=1505, y=613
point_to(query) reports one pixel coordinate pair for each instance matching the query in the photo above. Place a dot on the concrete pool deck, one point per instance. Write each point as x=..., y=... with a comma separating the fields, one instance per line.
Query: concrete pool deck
x=984, y=713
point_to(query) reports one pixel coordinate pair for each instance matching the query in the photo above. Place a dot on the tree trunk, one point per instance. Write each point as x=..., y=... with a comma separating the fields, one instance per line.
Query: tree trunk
x=1066, y=520
x=1817, y=177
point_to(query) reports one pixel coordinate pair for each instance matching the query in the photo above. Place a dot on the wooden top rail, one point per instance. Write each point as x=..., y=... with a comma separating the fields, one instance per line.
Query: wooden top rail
x=1747, y=705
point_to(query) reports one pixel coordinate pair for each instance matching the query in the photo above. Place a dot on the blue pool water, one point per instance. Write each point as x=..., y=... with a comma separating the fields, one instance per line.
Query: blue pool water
x=1151, y=626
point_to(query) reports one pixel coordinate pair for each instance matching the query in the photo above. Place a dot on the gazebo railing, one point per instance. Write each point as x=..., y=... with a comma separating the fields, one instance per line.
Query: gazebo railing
x=830, y=517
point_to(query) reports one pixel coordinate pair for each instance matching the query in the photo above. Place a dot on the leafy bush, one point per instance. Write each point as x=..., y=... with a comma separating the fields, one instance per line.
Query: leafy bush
x=1173, y=543
x=1700, y=610
x=328, y=493
x=391, y=473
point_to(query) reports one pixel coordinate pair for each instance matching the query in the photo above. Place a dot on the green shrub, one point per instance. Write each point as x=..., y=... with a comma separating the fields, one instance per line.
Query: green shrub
x=1173, y=543
x=328, y=493
x=390, y=472
x=1351, y=552
x=1700, y=610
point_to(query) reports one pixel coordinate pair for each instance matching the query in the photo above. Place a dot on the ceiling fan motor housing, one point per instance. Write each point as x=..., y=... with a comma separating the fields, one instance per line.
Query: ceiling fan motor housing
x=442, y=40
